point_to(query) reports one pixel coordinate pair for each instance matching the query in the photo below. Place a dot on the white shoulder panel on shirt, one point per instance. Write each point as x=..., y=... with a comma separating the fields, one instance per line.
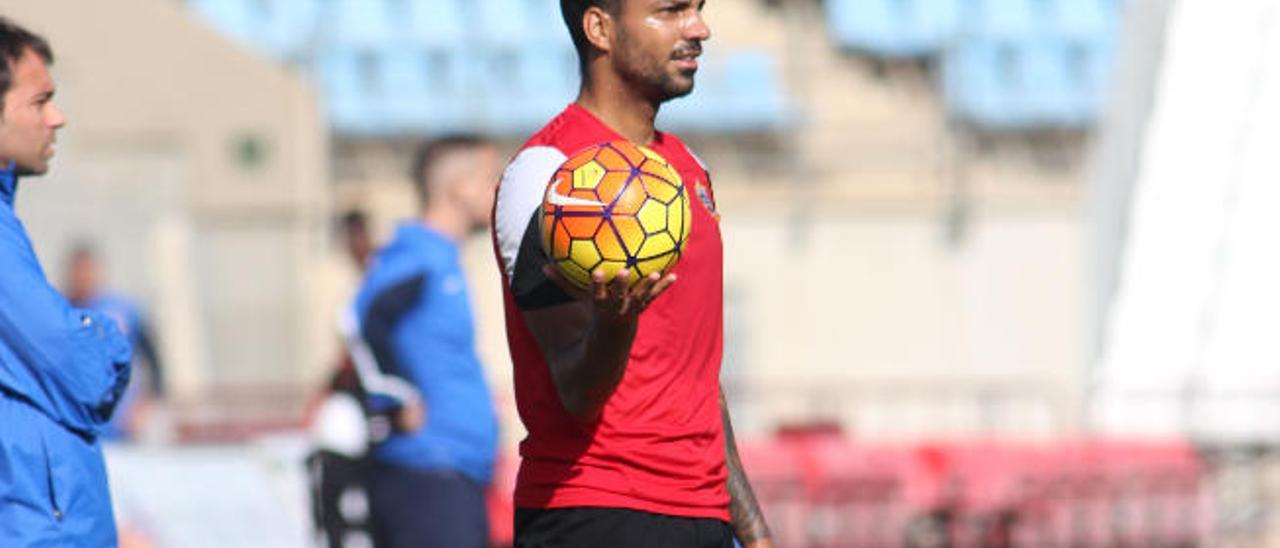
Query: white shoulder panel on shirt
x=523, y=184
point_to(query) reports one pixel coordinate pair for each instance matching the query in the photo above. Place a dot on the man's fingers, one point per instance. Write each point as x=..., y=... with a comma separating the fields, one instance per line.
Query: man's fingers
x=652, y=286
x=599, y=287
x=620, y=282
x=640, y=291
x=649, y=285
x=619, y=289
x=661, y=285
x=618, y=296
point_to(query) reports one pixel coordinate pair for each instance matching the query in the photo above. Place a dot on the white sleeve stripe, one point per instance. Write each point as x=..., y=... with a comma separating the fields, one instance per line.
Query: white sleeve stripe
x=519, y=195
x=371, y=378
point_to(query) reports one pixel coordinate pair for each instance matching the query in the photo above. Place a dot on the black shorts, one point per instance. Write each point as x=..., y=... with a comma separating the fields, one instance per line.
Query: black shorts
x=426, y=509
x=616, y=528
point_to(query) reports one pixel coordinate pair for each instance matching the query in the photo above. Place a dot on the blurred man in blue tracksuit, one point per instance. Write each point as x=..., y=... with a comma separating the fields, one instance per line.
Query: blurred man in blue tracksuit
x=62, y=369
x=412, y=340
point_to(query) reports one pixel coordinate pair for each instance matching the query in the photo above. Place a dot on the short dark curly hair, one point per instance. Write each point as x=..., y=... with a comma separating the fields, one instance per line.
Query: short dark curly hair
x=14, y=42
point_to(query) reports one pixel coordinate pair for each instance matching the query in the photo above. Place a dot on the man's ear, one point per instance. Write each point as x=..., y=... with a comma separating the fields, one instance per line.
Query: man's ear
x=597, y=25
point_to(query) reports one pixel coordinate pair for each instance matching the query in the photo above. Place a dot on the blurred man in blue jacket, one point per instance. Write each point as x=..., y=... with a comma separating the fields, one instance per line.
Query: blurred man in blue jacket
x=86, y=288
x=62, y=369
x=415, y=353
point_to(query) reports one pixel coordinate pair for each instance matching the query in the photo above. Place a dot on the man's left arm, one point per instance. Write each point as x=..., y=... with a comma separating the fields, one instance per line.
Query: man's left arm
x=748, y=521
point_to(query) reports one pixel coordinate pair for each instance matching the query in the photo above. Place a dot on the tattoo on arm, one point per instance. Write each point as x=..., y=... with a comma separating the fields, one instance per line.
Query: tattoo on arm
x=744, y=511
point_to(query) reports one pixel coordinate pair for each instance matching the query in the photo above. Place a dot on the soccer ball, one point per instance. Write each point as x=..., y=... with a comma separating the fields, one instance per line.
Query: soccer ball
x=613, y=206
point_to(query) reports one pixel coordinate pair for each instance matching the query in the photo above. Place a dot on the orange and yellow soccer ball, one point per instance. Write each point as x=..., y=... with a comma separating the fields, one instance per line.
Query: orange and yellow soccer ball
x=613, y=206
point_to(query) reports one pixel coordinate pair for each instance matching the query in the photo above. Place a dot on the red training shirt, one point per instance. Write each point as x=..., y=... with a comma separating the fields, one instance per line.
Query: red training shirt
x=659, y=444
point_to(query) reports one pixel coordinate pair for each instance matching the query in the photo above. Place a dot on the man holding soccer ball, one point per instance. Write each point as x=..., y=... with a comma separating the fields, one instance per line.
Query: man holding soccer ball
x=629, y=440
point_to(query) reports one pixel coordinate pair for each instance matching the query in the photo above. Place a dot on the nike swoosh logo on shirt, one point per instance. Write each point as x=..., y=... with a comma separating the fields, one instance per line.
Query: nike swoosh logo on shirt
x=557, y=199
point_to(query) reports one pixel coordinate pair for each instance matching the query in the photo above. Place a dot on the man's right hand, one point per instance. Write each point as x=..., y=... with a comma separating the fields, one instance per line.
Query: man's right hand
x=587, y=342
x=411, y=416
x=613, y=299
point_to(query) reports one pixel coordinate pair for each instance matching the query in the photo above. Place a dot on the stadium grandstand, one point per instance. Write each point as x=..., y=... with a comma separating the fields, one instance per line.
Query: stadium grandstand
x=427, y=67
x=996, y=271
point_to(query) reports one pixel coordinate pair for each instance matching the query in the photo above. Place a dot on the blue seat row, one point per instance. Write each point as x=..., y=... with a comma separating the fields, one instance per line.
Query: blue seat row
x=893, y=28
x=1026, y=83
x=1066, y=19
x=289, y=29
x=737, y=93
x=416, y=66
x=513, y=92
x=913, y=28
x=1007, y=64
x=282, y=29
x=399, y=90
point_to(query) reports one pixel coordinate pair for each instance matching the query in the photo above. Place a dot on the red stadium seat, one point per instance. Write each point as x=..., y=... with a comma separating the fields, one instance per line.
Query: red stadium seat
x=820, y=489
x=778, y=481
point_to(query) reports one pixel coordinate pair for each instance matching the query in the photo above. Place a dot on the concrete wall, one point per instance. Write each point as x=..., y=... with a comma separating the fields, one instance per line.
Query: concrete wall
x=201, y=172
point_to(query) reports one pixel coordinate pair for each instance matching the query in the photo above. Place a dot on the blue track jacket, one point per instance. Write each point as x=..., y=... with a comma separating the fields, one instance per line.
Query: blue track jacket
x=415, y=322
x=62, y=370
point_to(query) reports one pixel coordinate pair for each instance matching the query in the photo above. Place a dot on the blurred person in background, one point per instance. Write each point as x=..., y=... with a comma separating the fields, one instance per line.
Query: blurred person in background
x=338, y=469
x=414, y=350
x=630, y=442
x=356, y=239
x=63, y=370
x=86, y=288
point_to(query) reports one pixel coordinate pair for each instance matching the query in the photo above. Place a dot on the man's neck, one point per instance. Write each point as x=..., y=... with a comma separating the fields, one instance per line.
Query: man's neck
x=620, y=107
x=446, y=222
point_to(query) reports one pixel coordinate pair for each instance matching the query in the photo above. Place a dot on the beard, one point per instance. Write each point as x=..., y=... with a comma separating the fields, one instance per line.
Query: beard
x=650, y=75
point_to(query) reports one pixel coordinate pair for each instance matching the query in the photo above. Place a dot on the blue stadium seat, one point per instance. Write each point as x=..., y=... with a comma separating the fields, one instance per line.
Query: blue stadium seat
x=423, y=91
x=1038, y=82
x=359, y=23
x=550, y=79
x=1069, y=80
x=865, y=25
x=982, y=84
x=1052, y=90
x=523, y=89
x=704, y=110
x=1006, y=19
x=1096, y=69
x=288, y=28
x=501, y=22
x=936, y=23
x=737, y=93
x=348, y=80
x=1081, y=19
x=753, y=91
x=395, y=90
x=893, y=28
x=546, y=25
x=436, y=23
